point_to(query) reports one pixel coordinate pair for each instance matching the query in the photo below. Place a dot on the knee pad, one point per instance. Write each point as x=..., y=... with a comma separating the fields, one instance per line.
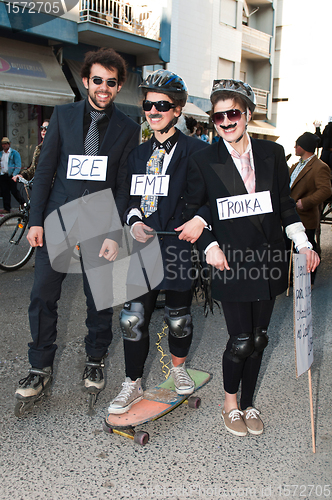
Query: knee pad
x=179, y=321
x=131, y=321
x=240, y=347
x=260, y=338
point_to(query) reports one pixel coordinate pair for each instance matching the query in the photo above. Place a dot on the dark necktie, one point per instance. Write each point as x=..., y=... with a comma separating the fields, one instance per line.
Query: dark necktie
x=91, y=143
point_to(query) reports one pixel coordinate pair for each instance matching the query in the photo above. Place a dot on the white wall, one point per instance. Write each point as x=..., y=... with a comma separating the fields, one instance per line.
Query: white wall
x=304, y=68
x=198, y=39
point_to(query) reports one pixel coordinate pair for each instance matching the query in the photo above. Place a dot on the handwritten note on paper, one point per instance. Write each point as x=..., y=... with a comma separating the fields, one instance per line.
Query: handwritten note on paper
x=87, y=168
x=302, y=315
x=244, y=205
x=149, y=185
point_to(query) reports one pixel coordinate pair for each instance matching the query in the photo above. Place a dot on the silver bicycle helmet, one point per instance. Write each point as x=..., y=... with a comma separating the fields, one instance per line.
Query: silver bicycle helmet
x=237, y=86
x=165, y=82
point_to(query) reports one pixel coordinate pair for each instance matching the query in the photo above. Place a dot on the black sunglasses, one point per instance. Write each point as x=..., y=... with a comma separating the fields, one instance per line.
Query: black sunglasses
x=233, y=115
x=97, y=80
x=161, y=106
x=43, y=128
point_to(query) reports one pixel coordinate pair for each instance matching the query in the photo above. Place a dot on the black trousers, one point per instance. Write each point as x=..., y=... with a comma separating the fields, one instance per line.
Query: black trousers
x=136, y=352
x=43, y=315
x=8, y=187
x=243, y=317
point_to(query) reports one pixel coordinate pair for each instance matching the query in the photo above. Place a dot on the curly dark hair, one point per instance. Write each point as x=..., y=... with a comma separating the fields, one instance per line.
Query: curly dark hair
x=107, y=58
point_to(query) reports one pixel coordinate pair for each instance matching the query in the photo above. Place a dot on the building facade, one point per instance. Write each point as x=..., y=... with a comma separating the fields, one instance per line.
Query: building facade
x=213, y=39
x=42, y=50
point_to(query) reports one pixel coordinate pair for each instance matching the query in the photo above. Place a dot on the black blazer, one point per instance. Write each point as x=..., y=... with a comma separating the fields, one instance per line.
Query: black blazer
x=254, y=245
x=65, y=137
x=169, y=213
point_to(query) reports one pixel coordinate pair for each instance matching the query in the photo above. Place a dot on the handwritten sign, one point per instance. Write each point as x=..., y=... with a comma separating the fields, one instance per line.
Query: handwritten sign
x=302, y=315
x=87, y=168
x=149, y=185
x=244, y=205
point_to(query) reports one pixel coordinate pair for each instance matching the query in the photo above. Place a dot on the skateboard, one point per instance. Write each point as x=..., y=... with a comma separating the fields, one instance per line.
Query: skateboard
x=156, y=403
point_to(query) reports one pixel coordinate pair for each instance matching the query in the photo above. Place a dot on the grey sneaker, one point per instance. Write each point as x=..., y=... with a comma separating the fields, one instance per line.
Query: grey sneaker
x=252, y=420
x=182, y=381
x=234, y=422
x=34, y=383
x=130, y=394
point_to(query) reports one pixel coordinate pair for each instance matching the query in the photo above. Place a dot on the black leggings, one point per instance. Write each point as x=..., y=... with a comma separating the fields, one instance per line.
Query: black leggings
x=137, y=352
x=243, y=317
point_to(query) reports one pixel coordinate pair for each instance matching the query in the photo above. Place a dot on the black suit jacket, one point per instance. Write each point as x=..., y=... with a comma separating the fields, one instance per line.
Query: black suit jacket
x=254, y=245
x=169, y=213
x=65, y=137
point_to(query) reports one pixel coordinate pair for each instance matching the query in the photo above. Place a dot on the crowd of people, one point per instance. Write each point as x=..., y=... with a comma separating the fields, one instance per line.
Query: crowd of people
x=191, y=208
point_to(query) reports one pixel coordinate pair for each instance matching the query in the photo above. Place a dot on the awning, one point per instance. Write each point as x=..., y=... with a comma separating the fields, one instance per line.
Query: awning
x=194, y=111
x=31, y=74
x=127, y=100
x=262, y=128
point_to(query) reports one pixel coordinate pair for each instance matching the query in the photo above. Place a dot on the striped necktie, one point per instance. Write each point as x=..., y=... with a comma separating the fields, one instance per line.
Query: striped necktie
x=91, y=143
x=247, y=172
x=149, y=203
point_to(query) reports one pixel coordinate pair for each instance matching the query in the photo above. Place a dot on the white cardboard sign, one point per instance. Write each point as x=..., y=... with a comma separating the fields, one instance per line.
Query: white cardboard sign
x=244, y=205
x=304, y=355
x=149, y=185
x=87, y=168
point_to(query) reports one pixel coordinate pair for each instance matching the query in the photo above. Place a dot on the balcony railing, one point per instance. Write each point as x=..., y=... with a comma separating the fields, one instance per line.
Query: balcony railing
x=139, y=20
x=261, y=100
x=255, y=41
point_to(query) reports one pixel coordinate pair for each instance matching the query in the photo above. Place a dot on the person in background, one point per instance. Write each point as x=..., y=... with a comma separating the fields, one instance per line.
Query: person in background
x=10, y=163
x=310, y=184
x=325, y=141
x=205, y=135
x=29, y=173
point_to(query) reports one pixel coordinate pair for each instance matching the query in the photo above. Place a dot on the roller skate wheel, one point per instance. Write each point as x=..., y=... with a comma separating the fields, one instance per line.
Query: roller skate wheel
x=92, y=400
x=194, y=402
x=19, y=409
x=141, y=438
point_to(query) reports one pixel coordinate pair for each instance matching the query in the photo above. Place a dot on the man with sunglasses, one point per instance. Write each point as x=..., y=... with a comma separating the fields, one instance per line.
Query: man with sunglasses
x=246, y=183
x=88, y=128
x=165, y=155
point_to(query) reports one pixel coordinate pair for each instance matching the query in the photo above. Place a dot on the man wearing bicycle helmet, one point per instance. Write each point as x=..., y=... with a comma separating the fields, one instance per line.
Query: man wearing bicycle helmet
x=246, y=182
x=165, y=155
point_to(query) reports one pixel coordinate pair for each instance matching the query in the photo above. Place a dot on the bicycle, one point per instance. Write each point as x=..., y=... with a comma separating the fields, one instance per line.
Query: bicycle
x=15, y=250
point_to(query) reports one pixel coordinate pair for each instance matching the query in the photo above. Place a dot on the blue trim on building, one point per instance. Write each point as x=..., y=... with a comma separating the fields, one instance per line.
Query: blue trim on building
x=118, y=34
x=43, y=25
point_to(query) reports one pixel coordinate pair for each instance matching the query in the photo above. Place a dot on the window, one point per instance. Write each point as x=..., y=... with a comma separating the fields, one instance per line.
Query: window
x=225, y=69
x=228, y=12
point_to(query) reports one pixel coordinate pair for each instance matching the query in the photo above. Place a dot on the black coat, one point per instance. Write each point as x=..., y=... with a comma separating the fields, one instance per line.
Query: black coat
x=65, y=137
x=254, y=245
x=169, y=214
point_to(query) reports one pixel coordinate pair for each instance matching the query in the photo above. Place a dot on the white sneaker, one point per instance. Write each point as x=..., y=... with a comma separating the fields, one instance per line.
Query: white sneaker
x=130, y=394
x=182, y=381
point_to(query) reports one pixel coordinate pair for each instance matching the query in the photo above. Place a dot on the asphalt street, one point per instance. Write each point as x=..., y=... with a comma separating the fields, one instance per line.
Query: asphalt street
x=59, y=452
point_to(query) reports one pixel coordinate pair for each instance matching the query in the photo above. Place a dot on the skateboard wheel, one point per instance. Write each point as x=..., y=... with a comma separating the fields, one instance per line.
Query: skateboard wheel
x=194, y=402
x=141, y=437
x=107, y=429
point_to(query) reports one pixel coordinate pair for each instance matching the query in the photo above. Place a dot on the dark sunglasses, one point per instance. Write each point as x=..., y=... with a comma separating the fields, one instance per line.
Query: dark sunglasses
x=97, y=80
x=43, y=128
x=233, y=115
x=161, y=106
